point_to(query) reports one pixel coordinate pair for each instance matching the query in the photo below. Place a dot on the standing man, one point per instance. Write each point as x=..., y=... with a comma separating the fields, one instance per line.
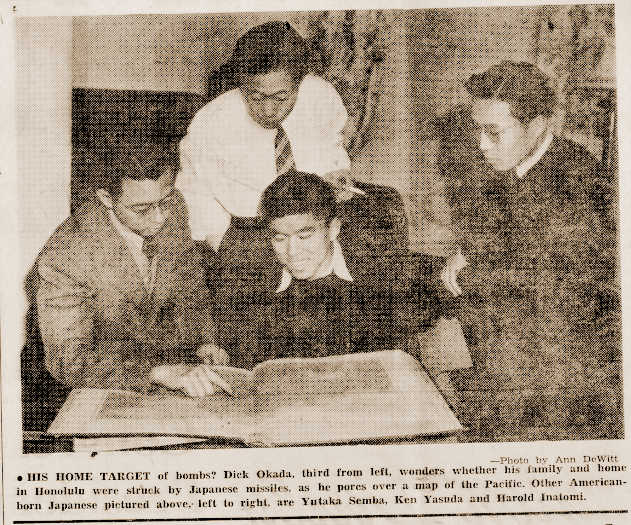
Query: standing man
x=535, y=266
x=279, y=117
x=512, y=104
x=122, y=301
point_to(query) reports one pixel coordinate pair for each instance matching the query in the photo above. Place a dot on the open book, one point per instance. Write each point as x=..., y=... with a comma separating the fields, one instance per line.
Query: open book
x=353, y=397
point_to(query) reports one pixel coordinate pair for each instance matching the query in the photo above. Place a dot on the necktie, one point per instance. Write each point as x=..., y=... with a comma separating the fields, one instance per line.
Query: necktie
x=150, y=248
x=284, y=156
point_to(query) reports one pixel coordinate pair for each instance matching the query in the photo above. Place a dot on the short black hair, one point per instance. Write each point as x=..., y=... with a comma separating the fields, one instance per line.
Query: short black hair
x=297, y=193
x=522, y=84
x=273, y=46
x=138, y=162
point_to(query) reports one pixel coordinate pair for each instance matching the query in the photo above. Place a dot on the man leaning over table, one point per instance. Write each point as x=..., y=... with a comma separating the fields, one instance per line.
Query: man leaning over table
x=122, y=301
x=278, y=118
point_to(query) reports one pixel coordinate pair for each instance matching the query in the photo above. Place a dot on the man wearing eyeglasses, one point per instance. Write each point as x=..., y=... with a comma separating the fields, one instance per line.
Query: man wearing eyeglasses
x=535, y=267
x=529, y=167
x=122, y=301
x=279, y=117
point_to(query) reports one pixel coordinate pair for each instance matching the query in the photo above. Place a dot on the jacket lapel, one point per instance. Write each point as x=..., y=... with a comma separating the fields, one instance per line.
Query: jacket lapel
x=112, y=254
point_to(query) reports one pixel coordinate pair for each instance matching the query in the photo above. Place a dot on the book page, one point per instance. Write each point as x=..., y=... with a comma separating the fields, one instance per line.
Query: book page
x=351, y=397
x=322, y=376
x=117, y=412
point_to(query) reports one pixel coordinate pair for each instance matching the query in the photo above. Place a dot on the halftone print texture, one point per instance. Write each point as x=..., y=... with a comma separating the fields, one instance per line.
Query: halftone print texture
x=529, y=350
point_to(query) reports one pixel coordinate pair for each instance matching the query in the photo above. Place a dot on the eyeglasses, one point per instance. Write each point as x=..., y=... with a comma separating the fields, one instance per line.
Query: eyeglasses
x=258, y=98
x=493, y=133
x=144, y=209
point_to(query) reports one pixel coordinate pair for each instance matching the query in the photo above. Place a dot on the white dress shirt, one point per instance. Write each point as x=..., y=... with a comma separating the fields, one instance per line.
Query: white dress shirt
x=337, y=265
x=134, y=243
x=228, y=159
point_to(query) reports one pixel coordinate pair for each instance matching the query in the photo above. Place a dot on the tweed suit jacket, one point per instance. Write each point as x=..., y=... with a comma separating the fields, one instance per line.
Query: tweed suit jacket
x=100, y=326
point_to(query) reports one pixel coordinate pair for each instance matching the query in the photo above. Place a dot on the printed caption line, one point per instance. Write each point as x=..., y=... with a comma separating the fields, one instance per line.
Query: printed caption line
x=357, y=516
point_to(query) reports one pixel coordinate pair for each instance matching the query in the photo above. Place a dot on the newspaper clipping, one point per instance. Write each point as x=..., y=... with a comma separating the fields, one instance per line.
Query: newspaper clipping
x=324, y=262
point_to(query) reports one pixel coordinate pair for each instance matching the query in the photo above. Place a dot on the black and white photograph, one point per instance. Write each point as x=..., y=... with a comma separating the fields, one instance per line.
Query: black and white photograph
x=295, y=229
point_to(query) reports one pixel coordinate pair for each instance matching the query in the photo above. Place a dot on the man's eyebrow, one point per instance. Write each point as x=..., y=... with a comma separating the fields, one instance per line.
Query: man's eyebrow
x=306, y=229
x=151, y=202
x=257, y=92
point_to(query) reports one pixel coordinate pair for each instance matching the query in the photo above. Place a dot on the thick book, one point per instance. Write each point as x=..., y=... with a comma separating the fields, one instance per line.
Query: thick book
x=345, y=398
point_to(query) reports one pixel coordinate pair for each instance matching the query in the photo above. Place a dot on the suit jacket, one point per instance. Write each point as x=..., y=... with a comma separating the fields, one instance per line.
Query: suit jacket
x=100, y=326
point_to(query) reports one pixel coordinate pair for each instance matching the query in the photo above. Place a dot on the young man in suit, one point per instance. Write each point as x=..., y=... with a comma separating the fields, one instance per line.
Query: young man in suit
x=530, y=177
x=326, y=293
x=122, y=301
x=535, y=268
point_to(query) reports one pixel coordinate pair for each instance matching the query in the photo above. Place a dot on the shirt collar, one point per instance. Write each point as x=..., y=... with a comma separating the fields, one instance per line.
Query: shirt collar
x=130, y=236
x=337, y=267
x=530, y=161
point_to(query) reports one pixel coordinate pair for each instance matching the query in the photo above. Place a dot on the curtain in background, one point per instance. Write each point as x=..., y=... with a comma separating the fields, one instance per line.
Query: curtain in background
x=348, y=49
x=576, y=47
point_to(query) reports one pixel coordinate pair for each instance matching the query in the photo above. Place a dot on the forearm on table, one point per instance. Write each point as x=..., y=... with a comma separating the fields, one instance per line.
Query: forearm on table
x=110, y=365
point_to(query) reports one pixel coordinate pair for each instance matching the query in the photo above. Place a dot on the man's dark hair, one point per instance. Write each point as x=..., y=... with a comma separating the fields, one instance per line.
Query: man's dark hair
x=523, y=85
x=273, y=46
x=297, y=193
x=138, y=162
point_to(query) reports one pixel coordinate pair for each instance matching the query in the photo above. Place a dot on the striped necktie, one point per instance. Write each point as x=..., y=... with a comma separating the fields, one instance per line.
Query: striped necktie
x=284, y=156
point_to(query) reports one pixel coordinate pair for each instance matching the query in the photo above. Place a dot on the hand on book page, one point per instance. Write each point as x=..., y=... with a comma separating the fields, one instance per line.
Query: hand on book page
x=241, y=381
x=196, y=381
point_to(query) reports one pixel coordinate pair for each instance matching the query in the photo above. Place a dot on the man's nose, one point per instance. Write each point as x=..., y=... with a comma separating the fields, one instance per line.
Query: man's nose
x=158, y=215
x=270, y=108
x=485, y=143
x=293, y=246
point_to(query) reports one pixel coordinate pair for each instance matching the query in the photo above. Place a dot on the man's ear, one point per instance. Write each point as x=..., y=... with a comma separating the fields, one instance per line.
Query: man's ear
x=537, y=125
x=105, y=198
x=334, y=228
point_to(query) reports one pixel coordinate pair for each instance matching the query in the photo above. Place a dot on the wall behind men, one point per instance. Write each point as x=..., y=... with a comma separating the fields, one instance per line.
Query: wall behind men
x=160, y=52
x=43, y=91
x=141, y=52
